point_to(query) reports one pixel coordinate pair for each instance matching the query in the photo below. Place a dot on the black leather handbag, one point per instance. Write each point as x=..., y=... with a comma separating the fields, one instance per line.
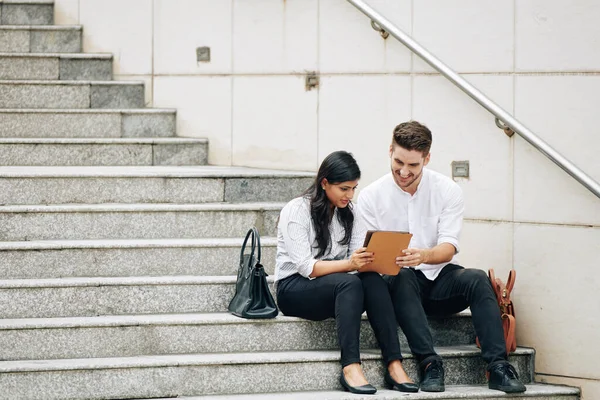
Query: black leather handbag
x=252, y=298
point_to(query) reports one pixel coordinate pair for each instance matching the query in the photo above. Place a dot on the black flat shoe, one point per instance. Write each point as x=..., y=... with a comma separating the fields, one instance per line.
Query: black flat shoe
x=364, y=389
x=401, y=387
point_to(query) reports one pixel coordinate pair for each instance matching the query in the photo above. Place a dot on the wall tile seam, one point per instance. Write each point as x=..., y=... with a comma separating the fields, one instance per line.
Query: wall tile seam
x=358, y=73
x=583, y=378
x=534, y=223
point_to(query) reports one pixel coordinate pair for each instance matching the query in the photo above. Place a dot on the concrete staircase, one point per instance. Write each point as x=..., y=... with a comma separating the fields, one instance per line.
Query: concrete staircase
x=119, y=246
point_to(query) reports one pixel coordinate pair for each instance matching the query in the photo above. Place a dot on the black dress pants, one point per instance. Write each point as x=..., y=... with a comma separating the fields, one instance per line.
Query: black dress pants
x=456, y=288
x=344, y=297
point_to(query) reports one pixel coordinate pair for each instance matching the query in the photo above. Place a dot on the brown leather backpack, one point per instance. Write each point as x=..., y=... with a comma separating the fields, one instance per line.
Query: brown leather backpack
x=507, y=310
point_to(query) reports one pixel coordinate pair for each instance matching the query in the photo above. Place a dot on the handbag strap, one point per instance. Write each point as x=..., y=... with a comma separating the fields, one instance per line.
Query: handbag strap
x=255, y=245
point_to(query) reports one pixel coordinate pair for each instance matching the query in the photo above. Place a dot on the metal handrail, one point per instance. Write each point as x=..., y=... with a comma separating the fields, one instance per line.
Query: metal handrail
x=386, y=26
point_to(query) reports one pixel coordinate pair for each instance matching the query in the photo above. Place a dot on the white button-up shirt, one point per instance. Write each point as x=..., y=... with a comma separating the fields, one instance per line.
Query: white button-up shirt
x=433, y=214
x=296, y=240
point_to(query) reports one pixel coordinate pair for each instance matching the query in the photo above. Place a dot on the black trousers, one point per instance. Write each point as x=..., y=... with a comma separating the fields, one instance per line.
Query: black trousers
x=456, y=288
x=344, y=297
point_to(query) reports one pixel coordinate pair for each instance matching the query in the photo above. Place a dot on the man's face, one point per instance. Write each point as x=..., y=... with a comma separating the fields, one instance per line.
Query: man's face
x=407, y=167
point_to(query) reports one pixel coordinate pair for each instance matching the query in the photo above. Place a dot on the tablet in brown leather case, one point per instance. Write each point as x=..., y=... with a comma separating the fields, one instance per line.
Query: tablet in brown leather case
x=387, y=245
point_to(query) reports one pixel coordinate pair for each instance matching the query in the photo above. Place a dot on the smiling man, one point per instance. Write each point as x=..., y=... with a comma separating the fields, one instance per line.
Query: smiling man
x=430, y=205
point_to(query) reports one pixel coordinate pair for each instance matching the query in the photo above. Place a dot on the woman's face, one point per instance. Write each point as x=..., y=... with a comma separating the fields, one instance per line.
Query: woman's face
x=339, y=194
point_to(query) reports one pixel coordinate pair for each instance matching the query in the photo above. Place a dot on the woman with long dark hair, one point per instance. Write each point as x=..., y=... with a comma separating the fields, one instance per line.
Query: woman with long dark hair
x=319, y=258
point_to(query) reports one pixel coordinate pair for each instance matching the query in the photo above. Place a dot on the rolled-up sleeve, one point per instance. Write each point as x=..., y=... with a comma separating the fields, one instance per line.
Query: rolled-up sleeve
x=451, y=218
x=295, y=228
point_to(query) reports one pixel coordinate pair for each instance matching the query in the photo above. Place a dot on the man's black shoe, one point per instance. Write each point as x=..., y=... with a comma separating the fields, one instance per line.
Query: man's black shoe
x=504, y=377
x=432, y=377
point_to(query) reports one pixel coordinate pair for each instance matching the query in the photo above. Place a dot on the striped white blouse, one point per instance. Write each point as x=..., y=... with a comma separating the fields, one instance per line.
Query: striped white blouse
x=296, y=240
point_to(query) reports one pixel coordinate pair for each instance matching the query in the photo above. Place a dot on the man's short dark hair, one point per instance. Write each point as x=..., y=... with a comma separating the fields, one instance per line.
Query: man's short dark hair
x=413, y=135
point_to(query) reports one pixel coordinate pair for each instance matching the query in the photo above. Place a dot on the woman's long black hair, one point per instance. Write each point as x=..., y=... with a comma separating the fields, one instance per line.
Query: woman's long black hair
x=337, y=167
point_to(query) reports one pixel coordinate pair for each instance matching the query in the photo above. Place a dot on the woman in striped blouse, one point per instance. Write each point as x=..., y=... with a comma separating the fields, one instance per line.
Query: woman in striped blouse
x=319, y=257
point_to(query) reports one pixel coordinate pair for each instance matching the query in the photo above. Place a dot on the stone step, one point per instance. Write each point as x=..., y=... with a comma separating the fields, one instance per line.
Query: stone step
x=138, y=335
x=122, y=258
x=88, y=297
x=139, y=221
x=66, y=67
x=145, y=184
x=102, y=152
x=90, y=123
x=535, y=391
x=71, y=94
x=229, y=373
x=26, y=12
x=41, y=38
x=149, y=184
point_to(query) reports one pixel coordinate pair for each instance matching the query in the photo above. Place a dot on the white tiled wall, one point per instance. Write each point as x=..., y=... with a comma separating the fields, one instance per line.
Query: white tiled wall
x=486, y=245
x=66, y=12
x=563, y=111
x=274, y=122
x=484, y=27
x=463, y=131
x=358, y=114
x=203, y=106
x=181, y=26
x=348, y=44
x=557, y=36
x=123, y=28
x=275, y=36
x=557, y=302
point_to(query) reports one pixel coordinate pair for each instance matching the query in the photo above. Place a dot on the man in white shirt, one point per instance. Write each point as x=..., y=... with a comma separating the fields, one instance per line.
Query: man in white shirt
x=430, y=205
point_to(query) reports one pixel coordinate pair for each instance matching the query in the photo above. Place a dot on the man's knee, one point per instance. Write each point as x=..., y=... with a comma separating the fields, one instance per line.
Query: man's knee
x=477, y=280
x=405, y=278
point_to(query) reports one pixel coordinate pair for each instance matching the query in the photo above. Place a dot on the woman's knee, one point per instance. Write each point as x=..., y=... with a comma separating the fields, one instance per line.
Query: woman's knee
x=349, y=285
x=372, y=280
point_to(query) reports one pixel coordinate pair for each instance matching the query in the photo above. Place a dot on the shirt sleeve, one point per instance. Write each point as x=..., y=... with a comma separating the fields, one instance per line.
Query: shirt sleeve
x=367, y=212
x=451, y=218
x=359, y=232
x=295, y=232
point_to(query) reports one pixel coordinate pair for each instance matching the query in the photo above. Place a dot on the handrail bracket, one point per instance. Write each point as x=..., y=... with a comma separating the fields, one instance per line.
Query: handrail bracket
x=384, y=34
x=507, y=129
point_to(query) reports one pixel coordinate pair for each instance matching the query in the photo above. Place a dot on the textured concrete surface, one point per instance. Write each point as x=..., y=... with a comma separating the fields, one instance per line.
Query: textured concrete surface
x=99, y=69
x=111, y=190
x=86, y=297
x=186, y=375
x=149, y=125
x=117, y=95
x=87, y=123
x=56, y=39
x=28, y=94
x=142, y=221
x=28, y=68
x=534, y=392
x=121, y=336
x=107, y=152
x=283, y=189
x=180, y=154
x=13, y=40
x=21, y=13
x=58, y=185
x=212, y=257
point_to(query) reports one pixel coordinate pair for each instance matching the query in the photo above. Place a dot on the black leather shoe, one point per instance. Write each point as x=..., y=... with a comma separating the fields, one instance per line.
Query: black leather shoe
x=432, y=377
x=504, y=377
x=401, y=387
x=364, y=389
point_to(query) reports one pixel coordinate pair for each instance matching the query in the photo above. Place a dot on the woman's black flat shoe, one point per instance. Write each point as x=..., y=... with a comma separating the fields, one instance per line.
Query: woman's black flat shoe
x=364, y=389
x=401, y=387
